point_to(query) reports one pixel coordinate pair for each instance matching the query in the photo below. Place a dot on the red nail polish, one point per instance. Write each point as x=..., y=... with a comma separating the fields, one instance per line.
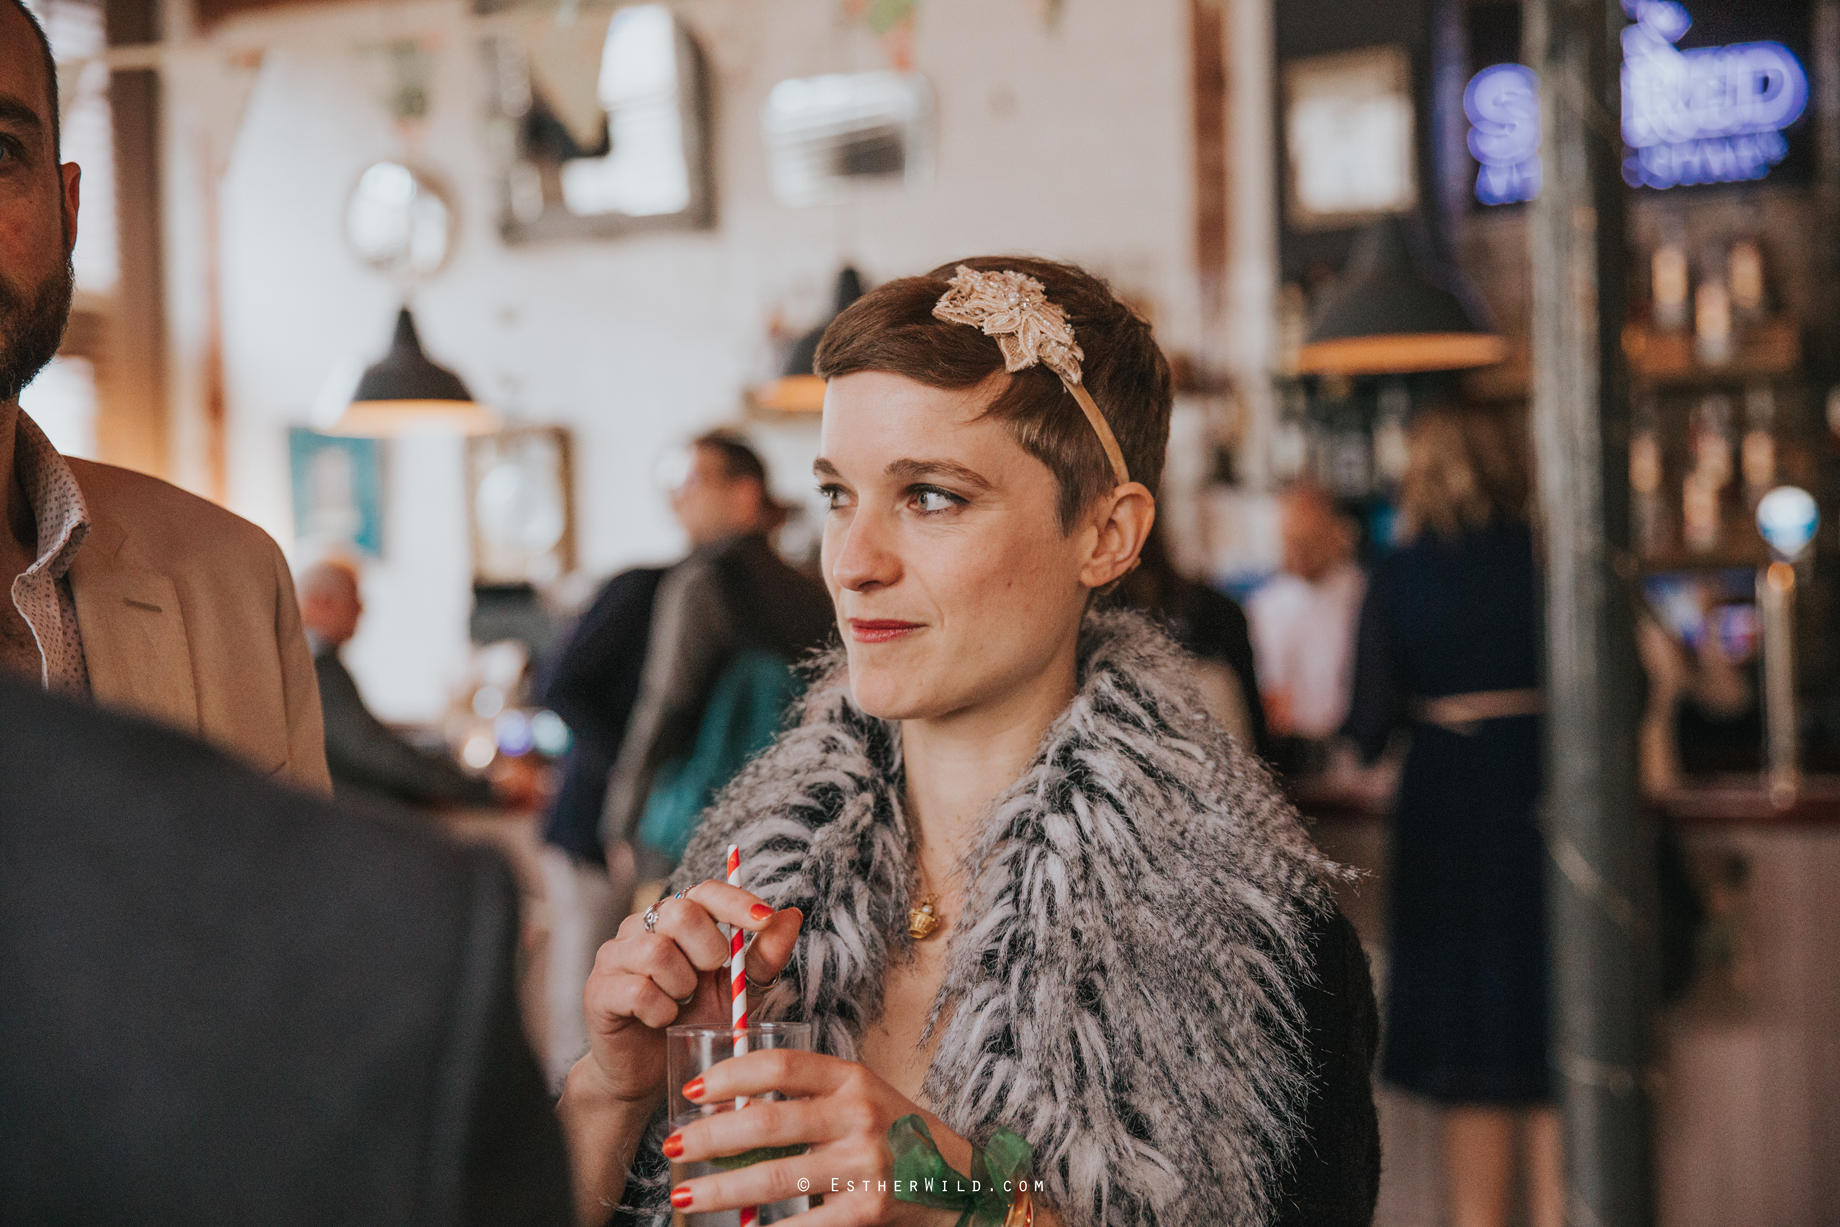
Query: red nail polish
x=673, y=1146
x=680, y=1197
x=693, y=1089
x=761, y=911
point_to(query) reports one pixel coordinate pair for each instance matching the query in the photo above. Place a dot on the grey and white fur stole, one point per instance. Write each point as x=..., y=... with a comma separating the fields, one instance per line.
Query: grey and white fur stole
x=1121, y=988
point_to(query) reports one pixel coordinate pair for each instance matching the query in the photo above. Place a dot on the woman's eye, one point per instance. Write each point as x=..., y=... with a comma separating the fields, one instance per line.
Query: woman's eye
x=929, y=501
x=834, y=496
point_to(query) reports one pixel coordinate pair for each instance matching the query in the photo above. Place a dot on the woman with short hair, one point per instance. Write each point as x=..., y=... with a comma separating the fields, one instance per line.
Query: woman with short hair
x=1003, y=862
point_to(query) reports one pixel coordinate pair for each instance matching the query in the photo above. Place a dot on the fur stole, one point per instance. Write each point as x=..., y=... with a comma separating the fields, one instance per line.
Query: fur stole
x=1122, y=982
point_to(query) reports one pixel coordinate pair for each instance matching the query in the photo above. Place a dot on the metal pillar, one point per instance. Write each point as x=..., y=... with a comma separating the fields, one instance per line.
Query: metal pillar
x=1600, y=872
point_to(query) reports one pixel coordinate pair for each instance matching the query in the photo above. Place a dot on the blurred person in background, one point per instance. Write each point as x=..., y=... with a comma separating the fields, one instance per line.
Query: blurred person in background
x=718, y=694
x=1303, y=623
x=1449, y=646
x=592, y=684
x=120, y=587
x=1211, y=626
x=728, y=623
x=1701, y=701
x=365, y=754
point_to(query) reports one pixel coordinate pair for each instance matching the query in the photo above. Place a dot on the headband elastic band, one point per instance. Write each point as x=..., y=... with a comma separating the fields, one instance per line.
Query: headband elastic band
x=1014, y=308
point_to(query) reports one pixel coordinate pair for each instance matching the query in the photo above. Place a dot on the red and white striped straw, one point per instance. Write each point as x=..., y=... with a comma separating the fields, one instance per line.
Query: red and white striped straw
x=737, y=966
x=737, y=979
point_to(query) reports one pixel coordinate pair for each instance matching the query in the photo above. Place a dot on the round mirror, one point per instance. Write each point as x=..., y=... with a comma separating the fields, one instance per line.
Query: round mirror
x=399, y=222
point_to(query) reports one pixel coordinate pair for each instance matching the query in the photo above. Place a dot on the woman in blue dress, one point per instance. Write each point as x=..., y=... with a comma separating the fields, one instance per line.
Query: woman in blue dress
x=1449, y=648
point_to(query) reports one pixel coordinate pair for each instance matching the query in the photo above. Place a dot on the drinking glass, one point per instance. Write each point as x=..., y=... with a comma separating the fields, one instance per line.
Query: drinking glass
x=689, y=1052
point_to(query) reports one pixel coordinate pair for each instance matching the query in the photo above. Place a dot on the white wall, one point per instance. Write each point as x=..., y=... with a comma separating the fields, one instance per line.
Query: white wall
x=1073, y=143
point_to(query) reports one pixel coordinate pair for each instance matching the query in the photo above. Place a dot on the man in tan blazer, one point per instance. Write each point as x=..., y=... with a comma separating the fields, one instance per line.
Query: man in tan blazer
x=121, y=586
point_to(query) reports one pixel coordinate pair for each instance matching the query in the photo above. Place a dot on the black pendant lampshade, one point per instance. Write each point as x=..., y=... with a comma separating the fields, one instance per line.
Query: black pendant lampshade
x=798, y=390
x=804, y=355
x=406, y=391
x=1388, y=315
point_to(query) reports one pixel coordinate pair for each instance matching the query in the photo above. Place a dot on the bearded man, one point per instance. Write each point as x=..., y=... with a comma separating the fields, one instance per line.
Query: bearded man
x=120, y=586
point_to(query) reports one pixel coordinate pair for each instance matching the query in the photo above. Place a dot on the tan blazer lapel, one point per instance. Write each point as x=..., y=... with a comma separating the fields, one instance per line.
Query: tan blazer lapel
x=134, y=640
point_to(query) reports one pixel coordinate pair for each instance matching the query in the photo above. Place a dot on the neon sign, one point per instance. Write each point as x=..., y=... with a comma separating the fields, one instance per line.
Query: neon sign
x=1503, y=105
x=1710, y=115
x=1704, y=115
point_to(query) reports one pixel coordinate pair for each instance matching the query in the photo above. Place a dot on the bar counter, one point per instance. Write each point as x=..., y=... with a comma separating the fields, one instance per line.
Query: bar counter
x=1747, y=1080
x=1740, y=801
x=1703, y=801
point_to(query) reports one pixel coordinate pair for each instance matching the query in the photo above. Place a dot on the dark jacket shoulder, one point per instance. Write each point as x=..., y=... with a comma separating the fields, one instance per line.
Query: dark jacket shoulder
x=594, y=678
x=232, y=1002
x=368, y=757
x=1334, y=1174
x=775, y=605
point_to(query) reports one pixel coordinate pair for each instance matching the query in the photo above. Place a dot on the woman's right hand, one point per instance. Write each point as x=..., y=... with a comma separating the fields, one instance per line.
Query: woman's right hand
x=640, y=978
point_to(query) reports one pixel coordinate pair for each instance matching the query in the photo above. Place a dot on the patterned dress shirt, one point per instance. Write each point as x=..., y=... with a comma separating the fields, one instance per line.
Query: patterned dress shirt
x=41, y=593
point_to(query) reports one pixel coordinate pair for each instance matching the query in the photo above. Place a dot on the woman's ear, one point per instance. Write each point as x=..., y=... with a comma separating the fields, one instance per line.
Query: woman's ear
x=1121, y=522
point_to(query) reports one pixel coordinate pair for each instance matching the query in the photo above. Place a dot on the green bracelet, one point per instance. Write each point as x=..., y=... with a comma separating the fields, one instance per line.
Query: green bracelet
x=922, y=1176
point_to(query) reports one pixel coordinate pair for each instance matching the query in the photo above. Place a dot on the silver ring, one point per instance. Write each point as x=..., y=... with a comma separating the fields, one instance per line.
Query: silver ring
x=687, y=1000
x=651, y=919
x=758, y=987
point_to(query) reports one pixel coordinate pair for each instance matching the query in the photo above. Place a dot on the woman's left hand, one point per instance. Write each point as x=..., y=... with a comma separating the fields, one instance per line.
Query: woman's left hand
x=840, y=1109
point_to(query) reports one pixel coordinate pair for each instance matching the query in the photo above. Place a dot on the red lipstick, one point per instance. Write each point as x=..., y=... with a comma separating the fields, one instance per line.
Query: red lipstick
x=880, y=630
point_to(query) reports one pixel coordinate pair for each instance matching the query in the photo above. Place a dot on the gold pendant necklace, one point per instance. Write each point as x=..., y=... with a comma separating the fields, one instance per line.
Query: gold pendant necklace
x=923, y=921
x=923, y=918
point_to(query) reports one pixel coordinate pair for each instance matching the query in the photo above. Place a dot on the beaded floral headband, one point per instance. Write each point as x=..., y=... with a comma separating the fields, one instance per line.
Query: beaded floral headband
x=1014, y=308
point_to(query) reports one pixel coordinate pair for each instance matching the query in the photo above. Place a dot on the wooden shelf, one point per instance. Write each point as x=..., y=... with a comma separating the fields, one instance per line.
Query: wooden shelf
x=1768, y=350
x=1726, y=558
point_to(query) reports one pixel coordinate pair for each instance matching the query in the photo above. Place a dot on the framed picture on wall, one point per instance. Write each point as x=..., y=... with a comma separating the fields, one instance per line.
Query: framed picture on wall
x=520, y=499
x=601, y=123
x=1350, y=152
x=338, y=490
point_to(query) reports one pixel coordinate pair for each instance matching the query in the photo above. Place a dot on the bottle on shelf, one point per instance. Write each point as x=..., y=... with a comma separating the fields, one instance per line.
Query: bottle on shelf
x=1757, y=452
x=1702, y=490
x=1668, y=286
x=1744, y=274
x=1646, y=474
x=1712, y=339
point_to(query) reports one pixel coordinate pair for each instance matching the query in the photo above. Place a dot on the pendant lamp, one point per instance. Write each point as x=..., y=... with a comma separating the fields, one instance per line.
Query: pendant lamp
x=407, y=392
x=1389, y=316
